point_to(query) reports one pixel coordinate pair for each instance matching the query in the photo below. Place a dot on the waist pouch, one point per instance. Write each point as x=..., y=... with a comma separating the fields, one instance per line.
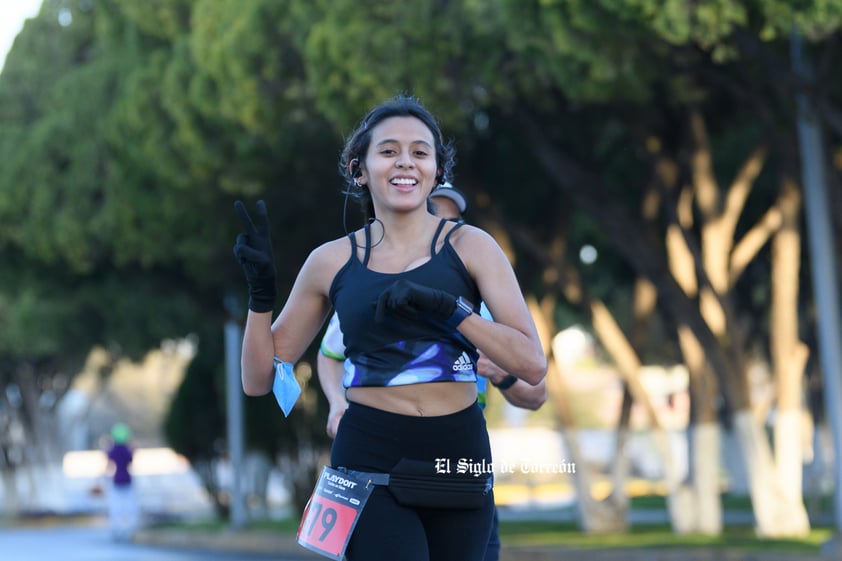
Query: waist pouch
x=414, y=483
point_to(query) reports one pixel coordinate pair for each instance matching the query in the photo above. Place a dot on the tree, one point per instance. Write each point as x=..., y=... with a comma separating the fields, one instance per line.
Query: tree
x=132, y=178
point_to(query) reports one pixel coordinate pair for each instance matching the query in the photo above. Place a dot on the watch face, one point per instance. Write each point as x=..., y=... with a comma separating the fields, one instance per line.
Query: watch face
x=463, y=310
x=465, y=305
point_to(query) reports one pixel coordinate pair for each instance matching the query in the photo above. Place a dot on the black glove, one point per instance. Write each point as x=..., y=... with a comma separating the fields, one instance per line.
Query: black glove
x=409, y=299
x=253, y=250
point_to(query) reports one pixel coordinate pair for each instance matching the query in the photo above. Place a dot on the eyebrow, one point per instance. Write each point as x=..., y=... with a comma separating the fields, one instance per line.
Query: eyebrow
x=392, y=140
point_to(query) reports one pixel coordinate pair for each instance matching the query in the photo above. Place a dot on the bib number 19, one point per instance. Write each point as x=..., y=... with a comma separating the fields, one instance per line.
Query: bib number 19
x=332, y=513
x=327, y=520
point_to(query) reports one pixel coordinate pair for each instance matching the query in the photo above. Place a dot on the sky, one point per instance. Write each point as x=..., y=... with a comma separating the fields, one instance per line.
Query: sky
x=12, y=15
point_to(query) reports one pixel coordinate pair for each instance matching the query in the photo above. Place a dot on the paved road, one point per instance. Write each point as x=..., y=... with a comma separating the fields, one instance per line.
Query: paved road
x=93, y=543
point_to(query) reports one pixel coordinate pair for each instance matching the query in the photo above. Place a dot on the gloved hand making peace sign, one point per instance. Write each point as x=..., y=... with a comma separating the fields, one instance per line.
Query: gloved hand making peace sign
x=253, y=250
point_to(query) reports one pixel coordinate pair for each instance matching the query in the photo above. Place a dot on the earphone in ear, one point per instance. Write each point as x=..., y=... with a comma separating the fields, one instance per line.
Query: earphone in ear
x=354, y=167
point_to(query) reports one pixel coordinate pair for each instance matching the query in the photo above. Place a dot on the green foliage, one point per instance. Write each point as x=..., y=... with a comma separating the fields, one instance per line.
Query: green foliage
x=360, y=54
x=591, y=51
x=161, y=20
x=816, y=19
x=57, y=320
x=35, y=319
x=229, y=44
x=44, y=118
x=196, y=421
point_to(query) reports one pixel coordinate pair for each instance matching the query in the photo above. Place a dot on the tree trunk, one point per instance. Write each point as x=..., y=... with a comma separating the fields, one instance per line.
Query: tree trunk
x=699, y=509
x=593, y=515
x=760, y=468
x=705, y=440
x=620, y=466
x=11, y=503
x=257, y=465
x=789, y=443
x=695, y=506
x=789, y=360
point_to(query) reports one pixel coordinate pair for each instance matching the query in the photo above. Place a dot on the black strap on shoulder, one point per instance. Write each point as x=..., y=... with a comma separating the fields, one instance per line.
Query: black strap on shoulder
x=367, y=254
x=436, y=236
x=353, y=237
x=447, y=236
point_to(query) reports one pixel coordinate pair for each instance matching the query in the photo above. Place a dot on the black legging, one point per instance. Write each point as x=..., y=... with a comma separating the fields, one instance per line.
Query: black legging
x=369, y=439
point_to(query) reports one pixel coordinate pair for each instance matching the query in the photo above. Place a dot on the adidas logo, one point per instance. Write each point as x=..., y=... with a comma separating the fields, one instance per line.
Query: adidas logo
x=463, y=363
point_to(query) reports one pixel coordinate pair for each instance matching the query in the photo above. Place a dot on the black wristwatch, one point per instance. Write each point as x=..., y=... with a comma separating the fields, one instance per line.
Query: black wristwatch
x=463, y=310
x=507, y=382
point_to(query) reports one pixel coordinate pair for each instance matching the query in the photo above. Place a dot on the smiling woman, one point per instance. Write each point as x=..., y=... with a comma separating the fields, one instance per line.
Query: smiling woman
x=12, y=17
x=403, y=288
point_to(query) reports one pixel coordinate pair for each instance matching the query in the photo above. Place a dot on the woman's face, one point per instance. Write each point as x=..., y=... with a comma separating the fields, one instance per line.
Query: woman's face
x=400, y=165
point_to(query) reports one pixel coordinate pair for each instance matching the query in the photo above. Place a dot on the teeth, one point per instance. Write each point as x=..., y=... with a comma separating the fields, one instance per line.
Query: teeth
x=403, y=182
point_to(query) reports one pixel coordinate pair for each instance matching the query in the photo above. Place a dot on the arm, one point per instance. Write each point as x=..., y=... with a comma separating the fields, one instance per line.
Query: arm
x=511, y=340
x=330, y=373
x=330, y=370
x=301, y=316
x=520, y=394
x=295, y=328
x=253, y=250
x=256, y=361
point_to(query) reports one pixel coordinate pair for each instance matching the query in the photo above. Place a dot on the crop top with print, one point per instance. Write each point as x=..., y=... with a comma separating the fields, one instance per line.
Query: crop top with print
x=400, y=350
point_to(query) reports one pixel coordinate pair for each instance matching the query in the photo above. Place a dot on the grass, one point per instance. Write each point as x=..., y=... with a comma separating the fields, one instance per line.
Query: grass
x=567, y=534
x=284, y=525
x=730, y=502
x=655, y=536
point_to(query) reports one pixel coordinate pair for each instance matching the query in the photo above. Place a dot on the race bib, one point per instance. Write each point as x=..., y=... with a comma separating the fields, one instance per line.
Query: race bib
x=332, y=512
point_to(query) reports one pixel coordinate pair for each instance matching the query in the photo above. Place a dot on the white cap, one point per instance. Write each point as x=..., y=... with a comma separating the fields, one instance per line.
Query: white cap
x=449, y=191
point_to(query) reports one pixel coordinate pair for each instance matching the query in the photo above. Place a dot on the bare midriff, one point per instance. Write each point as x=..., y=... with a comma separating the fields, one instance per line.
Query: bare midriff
x=431, y=399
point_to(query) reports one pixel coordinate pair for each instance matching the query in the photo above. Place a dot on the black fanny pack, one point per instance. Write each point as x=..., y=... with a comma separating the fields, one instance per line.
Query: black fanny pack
x=414, y=483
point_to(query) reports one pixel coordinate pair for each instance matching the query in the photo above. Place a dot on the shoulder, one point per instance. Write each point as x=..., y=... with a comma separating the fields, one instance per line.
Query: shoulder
x=469, y=240
x=479, y=251
x=330, y=254
x=323, y=263
x=466, y=234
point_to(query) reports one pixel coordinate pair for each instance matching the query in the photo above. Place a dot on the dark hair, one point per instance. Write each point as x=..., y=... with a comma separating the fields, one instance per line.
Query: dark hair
x=358, y=142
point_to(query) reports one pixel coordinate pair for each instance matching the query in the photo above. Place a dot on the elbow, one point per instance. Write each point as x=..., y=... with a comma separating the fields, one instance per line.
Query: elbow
x=254, y=386
x=530, y=398
x=534, y=372
x=538, y=400
x=534, y=397
x=256, y=379
x=253, y=390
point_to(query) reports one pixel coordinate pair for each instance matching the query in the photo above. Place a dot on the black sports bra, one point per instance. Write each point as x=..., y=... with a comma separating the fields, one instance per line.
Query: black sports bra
x=401, y=351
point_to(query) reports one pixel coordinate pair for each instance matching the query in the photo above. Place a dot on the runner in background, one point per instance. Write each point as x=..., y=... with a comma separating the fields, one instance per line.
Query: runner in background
x=123, y=513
